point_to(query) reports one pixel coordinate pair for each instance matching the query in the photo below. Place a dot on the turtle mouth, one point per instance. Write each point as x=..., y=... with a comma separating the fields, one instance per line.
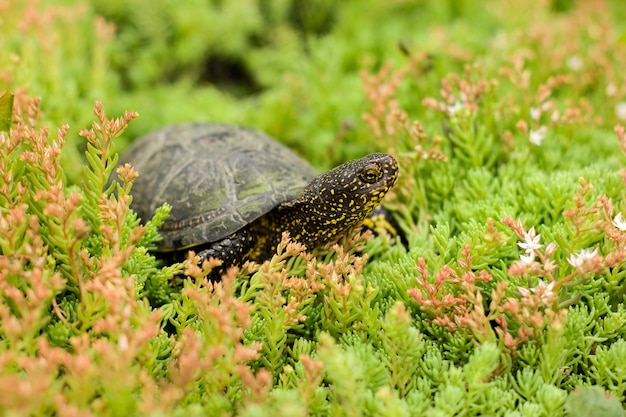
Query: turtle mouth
x=379, y=189
x=377, y=192
x=390, y=179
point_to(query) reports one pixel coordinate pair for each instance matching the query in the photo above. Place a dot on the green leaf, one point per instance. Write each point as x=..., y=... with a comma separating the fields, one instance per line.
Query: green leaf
x=592, y=401
x=6, y=111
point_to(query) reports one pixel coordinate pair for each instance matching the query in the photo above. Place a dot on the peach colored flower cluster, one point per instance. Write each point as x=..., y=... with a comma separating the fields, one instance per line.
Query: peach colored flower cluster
x=455, y=299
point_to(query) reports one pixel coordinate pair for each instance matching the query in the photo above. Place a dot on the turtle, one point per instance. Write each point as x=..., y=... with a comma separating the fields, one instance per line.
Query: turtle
x=234, y=191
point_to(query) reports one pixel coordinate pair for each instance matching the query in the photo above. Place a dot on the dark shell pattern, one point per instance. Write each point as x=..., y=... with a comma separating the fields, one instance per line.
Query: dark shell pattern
x=218, y=178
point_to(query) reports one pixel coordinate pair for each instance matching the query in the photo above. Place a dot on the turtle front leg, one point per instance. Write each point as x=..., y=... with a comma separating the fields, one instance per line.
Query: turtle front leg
x=232, y=251
x=381, y=220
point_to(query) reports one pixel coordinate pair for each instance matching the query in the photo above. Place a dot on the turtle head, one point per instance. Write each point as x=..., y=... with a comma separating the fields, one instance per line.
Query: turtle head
x=348, y=193
x=337, y=199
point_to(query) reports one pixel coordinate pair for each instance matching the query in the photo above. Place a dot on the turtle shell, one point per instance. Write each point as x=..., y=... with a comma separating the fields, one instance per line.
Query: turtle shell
x=217, y=178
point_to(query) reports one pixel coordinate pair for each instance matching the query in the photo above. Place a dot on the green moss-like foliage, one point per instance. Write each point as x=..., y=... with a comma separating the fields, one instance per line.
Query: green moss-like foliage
x=506, y=119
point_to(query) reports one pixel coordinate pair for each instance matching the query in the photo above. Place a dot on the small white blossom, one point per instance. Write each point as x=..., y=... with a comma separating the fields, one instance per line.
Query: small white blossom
x=536, y=136
x=123, y=342
x=610, y=90
x=528, y=258
x=578, y=259
x=455, y=107
x=531, y=241
x=545, y=292
x=619, y=222
x=555, y=116
x=550, y=248
x=549, y=265
x=535, y=113
x=620, y=110
x=575, y=63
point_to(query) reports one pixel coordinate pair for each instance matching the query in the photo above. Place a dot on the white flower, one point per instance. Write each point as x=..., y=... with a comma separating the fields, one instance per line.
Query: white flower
x=578, y=259
x=123, y=342
x=610, y=90
x=455, y=107
x=531, y=242
x=536, y=136
x=555, y=116
x=528, y=258
x=619, y=222
x=544, y=291
x=620, y=110
x=575, y=63
x=535, y=113
x=524, y=291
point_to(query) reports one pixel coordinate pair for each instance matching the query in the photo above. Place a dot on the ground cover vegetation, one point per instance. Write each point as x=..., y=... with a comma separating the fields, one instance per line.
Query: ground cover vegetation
x=507, y=119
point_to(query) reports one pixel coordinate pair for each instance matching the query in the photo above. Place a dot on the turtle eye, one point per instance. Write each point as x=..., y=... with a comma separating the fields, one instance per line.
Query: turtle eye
x=370, y=174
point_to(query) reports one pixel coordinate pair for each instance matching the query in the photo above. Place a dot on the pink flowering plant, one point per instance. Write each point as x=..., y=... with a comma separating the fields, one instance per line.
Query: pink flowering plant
x=499, y=290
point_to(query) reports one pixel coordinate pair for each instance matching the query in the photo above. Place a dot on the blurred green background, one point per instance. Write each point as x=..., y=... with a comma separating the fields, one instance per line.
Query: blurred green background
x=288, y=67
x=518, y=100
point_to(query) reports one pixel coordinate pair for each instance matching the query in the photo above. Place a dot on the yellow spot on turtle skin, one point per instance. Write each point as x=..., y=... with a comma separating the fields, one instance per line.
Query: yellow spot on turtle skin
x=311, y=222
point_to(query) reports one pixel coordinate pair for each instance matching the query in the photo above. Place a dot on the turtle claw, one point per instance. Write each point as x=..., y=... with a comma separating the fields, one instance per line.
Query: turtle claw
x=232, y=251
